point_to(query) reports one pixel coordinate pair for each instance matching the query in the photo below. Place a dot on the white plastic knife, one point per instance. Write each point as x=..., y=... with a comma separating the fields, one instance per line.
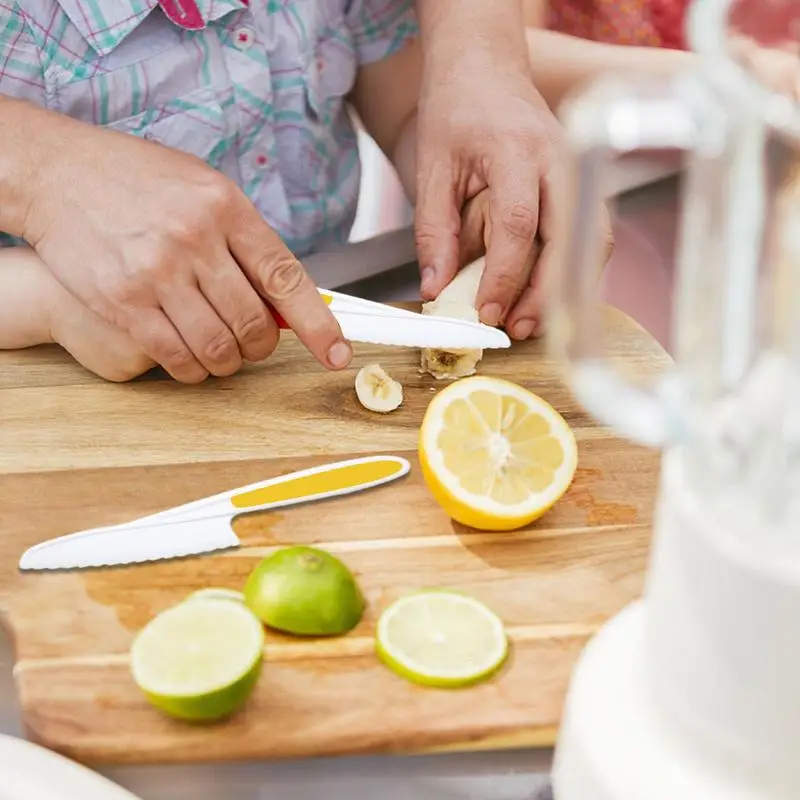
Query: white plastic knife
x=204, y=525
x=377, y=323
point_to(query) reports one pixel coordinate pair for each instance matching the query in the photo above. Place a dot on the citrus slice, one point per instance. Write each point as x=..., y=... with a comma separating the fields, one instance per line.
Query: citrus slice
x=304, y=591
x=444, y=639
x=199, y=660
x=216, y=593
x=494, y=455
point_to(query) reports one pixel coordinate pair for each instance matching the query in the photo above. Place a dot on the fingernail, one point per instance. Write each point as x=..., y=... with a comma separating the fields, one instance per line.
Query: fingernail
x=428, y=274
x=523, y=328
x=339, y=355
x=491, y=313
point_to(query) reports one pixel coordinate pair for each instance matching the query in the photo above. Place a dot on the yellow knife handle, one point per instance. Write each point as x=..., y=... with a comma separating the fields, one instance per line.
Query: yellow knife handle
x=330, y=480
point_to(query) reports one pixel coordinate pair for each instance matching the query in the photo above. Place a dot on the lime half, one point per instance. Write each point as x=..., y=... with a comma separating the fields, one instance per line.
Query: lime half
x=216, y=593
x=439, y=638
x=199, y=660
x=304, y=591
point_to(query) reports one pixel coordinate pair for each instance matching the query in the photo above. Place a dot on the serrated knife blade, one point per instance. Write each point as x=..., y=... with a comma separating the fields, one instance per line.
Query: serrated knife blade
x=125, y=545
x=423, y=331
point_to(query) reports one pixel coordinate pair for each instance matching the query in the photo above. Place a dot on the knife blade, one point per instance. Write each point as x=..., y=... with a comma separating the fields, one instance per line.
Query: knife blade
x=436, y=332
x=377, y=323
x=204, y=526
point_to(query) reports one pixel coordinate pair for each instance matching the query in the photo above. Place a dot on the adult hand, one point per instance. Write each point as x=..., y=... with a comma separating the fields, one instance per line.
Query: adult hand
x=164, y=247
x=483, y=126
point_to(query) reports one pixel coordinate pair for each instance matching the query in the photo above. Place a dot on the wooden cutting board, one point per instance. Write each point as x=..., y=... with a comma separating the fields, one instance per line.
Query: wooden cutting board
x=76, y=452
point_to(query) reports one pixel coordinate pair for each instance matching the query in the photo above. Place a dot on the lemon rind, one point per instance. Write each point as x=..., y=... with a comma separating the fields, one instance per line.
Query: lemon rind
x=432, y=426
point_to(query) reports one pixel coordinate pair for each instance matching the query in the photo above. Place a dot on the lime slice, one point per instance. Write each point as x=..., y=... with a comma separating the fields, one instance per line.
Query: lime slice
x=304, y=591
x=199, y=660
x=216, y=593
x=438, y=638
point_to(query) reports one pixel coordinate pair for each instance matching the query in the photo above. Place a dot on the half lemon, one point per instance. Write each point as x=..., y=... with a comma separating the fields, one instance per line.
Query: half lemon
x=495, y=455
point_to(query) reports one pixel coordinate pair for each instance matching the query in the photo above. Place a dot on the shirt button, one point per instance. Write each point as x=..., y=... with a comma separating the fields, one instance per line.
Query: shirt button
x=243, y=38
x=262, y=160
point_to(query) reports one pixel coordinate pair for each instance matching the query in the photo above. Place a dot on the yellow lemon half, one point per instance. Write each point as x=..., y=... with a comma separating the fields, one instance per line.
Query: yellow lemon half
x=494, y=455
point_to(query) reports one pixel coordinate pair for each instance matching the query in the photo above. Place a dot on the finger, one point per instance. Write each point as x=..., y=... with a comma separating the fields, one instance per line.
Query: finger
x=280, y=278
x=529, y=314
x=525, y=319
x=472, y=237
x=437, y=223
x=239, y=306
x=514, y=215
x=206, y=335
x=159, y=339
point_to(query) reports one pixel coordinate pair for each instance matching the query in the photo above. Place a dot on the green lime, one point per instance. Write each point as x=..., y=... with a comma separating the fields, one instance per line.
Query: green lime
x=199, y=661
x=443, y=639
x=304, y=591
x=216, y=593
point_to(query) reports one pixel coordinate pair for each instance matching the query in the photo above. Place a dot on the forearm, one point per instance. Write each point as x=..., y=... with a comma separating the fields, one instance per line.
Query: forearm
x=535, y=12
x=27, y=141
x=24, y=300
x=484, y=29
x=562, y=64
x=404, y=158
x=385, y=97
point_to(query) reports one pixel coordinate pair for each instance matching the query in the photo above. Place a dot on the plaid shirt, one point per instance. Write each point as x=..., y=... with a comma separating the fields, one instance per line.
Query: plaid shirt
x=256, y=88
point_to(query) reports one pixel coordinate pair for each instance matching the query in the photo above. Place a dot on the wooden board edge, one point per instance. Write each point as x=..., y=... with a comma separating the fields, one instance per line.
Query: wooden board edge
x=532, y=738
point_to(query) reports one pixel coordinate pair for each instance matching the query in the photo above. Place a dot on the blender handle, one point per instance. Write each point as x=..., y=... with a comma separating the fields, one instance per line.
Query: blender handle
x=615, y=116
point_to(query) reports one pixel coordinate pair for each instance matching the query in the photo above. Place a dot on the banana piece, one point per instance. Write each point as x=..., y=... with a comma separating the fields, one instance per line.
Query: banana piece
x=377, y=390
x=456, y=301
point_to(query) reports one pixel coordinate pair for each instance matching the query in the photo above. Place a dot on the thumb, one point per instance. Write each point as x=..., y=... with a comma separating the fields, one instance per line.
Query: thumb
x=475, y=229
x=437, y=224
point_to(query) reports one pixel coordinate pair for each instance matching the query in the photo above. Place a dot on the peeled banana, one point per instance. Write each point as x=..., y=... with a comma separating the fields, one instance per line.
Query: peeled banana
x=456, y=301
x=377, y=390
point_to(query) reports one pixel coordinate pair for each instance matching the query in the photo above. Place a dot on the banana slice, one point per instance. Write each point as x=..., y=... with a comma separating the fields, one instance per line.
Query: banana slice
x=456, y=301
x=377, y=390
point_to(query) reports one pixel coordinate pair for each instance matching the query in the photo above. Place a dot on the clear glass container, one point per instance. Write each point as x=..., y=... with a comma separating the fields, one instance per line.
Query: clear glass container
x=732, y=403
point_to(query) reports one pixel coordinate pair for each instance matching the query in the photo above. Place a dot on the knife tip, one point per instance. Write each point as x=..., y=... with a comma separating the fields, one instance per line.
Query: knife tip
x=28, y=560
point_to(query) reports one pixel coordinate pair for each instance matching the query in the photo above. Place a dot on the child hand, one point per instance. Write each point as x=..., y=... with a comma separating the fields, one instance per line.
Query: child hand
x=95, y=344
x=36, y=309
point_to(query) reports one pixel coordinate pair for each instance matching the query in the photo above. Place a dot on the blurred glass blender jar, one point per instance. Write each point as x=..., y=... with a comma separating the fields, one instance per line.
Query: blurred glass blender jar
x=694, y=692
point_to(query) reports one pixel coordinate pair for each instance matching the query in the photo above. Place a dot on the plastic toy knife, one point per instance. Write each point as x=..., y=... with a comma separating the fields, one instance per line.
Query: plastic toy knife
x=377, y=323
x=204, y=525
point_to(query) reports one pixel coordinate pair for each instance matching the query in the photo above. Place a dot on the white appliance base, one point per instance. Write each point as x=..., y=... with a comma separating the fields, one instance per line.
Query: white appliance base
x=611, y=745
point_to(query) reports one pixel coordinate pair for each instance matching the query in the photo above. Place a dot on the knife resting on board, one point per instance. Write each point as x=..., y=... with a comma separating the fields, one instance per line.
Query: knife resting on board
x=203, y=526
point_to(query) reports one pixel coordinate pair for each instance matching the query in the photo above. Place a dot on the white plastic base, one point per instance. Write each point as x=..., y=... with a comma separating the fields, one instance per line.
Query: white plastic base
x=611, y=746
x=694, y=693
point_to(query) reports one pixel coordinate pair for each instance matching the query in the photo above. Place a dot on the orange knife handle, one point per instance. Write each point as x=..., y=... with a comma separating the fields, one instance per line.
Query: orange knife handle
x=281, y=322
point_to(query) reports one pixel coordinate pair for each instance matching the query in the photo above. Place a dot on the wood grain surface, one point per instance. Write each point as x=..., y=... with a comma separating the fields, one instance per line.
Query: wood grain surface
x=76, y=452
